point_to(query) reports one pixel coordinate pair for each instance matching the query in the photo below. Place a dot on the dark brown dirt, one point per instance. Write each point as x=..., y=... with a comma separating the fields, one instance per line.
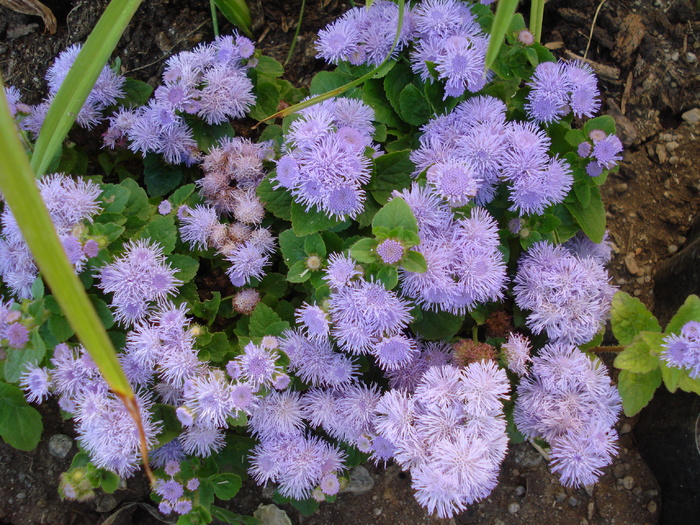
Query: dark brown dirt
x=647, y=57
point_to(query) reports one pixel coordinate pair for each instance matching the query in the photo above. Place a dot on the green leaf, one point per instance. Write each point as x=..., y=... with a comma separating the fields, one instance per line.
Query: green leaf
x=414, y=261
x=298, y=272
x=269, y=66
x=109, y=481
x=227, y=516
x=388, y=276
x=504, y=13
x=262, y=317
x=373, y=95
x=364, y=250
x=591, y=218
x=395, y=81
x=312, y=221
x=181, y=195
x=636, y=390
x=187, y=266
x=437, y=325
x=17, y=360
x=226, y=486
x=267, y=100
x=671, y=375
x=392, y=171
x=208, y=309
x=160, y=178
x=628, y=317
x=689, y=311
x=136, y=93
x=162, y=230
x=238, y=13
x=20, y=424
x=395, y=213
x=689, y=384
x=638, y=357
x=114, y=198
x=605, y=123
x=292, y=247
x=314, y=245
x=415, y=109
x=277, y=201
x=325, y=81
x=172, y=427
x=60, y=328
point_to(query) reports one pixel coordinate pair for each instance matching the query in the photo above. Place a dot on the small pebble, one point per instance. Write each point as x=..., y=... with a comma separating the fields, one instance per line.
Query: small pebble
x=21, y=495
x=620, y=470
x=60, y=445
x=628, y=482
x=625, y=429
x=106, y=503
x=672, y=248
x=672, y=146
x=621, y=187
x=637, y=491
x=377, y=511
x=573, y=501
x=360, y=481
x=651, y=507
x=692, y=116
x=520, y=490
x=513, y=508
x=559, y=497
x=631, y=264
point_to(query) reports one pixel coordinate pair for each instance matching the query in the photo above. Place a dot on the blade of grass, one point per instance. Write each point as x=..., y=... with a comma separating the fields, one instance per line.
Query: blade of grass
x=342, y=89
x=536, y=15
x=238, y=13
x=80, y=80
x=504, y=13
x=214, y=20
x=19, y=189
x=296, y=33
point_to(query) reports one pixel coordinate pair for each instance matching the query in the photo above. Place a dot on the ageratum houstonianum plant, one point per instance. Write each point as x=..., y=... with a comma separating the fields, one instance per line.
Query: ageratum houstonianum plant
x=393, y=274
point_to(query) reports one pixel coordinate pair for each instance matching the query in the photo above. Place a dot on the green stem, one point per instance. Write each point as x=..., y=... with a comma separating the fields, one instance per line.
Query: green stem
x=604, y=349
x=214, y=19
x=296, y=33
x=475, y=333
x=536, y=15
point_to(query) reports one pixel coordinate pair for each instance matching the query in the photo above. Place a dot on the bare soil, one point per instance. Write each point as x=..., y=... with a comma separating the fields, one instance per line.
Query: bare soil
x=646, y=54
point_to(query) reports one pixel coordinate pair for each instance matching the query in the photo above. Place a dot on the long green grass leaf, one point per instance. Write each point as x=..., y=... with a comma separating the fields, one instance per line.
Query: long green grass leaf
x=342, y=89
x=22, y=195
x=238, y=13
x=536, y=15
x=80, y=80
x=504, y=13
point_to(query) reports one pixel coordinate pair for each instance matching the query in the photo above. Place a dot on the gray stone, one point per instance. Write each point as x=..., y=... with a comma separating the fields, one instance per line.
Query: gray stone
x=513, y=508
x=360, y=481
x=662, y=153
x=573, y=501
x=631, y=264
x=652, y=507
x=60, y=445
x=271, y=515
x=692, y=116
x=520, y=490
x=106, y=503
x=628, y=482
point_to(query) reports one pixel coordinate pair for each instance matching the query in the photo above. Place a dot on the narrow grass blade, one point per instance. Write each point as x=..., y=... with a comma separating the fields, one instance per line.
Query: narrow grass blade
x=504, y=13
x=296, y=32
x=536, y=15
x=80, y=80
x=214, y=18
x=238, y=13
x=342, y=89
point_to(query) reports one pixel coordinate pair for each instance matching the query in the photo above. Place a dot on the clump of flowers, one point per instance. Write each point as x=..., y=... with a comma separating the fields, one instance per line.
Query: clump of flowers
x=108, y=89
x=72, y=203
x=209, y=82
x=325, y=164
x=567, y=399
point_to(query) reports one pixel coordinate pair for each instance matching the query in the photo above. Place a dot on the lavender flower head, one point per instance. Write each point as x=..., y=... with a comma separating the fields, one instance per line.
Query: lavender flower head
x=683, y=350
x=569, y=296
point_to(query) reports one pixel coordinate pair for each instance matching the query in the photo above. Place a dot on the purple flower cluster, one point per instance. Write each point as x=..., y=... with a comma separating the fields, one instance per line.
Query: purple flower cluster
x=232, y=171
x=14, y=101
x=105, y=428
x=173, y=491
x=569, y=296
x=568, y=400
x=107, y=90
x=71, y=203
x=467, y=152
x=448, y=36
x=13, y=333
x=465, y=266
x=451, y=434
x=325, y=165
x=557, y=88
x=138, y=278
x=209, y=81
x=516, y=353
x=364, y=35
x=605, y=152
x=683, y=350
